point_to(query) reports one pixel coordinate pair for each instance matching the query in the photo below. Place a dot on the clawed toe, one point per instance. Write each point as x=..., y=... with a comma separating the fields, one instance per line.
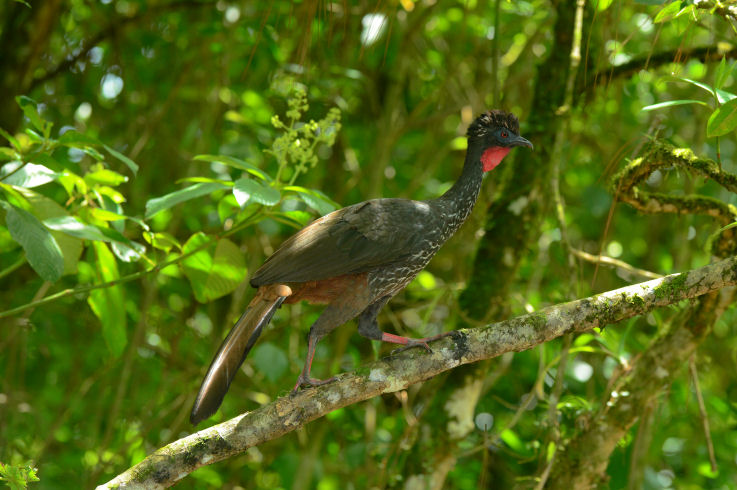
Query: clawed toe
x=308, y=381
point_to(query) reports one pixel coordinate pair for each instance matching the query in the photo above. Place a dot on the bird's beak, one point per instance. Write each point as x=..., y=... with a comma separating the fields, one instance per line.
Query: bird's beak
x=519, y=141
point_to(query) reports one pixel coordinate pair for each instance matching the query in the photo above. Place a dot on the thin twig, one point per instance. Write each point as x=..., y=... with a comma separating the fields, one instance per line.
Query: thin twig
x=619, y=264
x=703, y=413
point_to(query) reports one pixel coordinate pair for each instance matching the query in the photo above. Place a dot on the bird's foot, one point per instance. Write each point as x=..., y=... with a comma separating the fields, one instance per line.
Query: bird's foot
x=410, y=343
x=306, y=380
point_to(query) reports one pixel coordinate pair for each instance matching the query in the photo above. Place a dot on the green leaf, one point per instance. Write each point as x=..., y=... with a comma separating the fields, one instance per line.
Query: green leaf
x=672, y=103
x=75, y=139
x=30, y=175
x=296, y=218
x=246, y=189
x=159, y=204
x=270, y=360
x=44, y=208
x=215, y=270
x=130, y=163
x=721, y=95
x=672, y=11
x=723, y=71
x=723, y=120
x=668, y=12
x=512, y=440
x=162, y=241
x=42, y=251
x=10, y=139
x=30, y=110
x=76, y=228
x=108, y=304
x=314, y=199
x=105, y=176
x=237, y=163
x=131, y=252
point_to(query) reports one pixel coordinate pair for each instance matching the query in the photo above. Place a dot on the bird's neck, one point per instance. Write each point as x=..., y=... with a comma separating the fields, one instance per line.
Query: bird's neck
x=457, y=203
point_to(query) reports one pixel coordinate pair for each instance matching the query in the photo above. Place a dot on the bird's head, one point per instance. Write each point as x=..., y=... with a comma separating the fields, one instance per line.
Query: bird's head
x=495, y=132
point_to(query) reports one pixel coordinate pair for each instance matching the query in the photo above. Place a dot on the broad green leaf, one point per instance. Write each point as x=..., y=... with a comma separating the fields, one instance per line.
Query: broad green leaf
x=30, y=110
x=162, y=241
x=42, y=251
x=129, y=163
x=227, y=207
x=75, y=139
x=246, y=189
x=723, y=120
x=314, y=199
x=296, y=218
x=214, y=271
x=672, y=11
x=668, y=12
x=44, y=208
x=158, y=204
x=723, y=71
x=105, y=176
x=672, y=103
x=108, y=304
x=7, y=153
x=270, y=360
x=76, y=228
x=237, y=163
x=30, y=175
x=105, y=215
x=131, y=252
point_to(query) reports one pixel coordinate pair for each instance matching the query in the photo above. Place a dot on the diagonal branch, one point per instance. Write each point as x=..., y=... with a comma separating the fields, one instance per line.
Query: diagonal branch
x=173, y=462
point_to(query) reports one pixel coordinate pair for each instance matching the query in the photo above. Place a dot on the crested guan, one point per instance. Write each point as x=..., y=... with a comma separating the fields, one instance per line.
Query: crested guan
x=355, y=259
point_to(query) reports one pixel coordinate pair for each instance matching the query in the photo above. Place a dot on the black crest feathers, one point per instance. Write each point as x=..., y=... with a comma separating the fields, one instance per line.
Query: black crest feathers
x=491, y=120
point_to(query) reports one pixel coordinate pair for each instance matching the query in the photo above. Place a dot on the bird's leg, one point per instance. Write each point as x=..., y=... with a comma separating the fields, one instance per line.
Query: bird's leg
x=304, y=377
x=369, y=328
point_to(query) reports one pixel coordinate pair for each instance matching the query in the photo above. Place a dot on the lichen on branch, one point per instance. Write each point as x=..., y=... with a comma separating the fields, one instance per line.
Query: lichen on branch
x=175, y=461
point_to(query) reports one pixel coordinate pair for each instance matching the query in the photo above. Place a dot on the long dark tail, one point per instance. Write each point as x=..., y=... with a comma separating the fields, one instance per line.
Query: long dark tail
x=230, y=356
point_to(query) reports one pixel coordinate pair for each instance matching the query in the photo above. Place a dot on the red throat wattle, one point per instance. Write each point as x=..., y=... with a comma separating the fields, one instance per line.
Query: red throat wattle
x=493, y=156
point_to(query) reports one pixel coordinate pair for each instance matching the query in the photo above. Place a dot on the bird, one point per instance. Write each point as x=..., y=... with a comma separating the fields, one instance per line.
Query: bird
x=356, y=259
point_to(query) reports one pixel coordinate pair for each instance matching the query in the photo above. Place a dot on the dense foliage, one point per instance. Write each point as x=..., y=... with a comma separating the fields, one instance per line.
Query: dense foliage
x=154, y=153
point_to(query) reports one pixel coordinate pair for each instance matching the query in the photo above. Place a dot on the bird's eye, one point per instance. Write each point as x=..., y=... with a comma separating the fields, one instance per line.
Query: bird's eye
x=504, y=134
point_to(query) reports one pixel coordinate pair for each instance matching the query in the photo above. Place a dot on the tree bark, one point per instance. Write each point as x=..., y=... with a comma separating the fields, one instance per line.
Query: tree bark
x=173, y=462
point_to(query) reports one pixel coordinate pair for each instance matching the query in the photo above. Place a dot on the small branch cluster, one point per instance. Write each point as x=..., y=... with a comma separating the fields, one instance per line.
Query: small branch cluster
x=627, y=187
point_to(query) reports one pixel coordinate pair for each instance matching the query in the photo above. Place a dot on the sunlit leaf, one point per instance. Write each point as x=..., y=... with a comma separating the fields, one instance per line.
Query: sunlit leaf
x=29, y=175
x=214, y=268
x=723, y=120
x=30, y=110
x=42, y=251
x=246, y=189
x=108, y=303
x=106, y=177
x=159, y=204
x=672, y=103
x=130, y=163
x=76, y=228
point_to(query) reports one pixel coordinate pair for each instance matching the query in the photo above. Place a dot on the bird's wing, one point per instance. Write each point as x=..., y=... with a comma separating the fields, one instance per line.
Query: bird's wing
x=349, y=241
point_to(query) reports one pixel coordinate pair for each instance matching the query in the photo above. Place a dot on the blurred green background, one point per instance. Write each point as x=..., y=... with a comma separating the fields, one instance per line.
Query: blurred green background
x=93, y=382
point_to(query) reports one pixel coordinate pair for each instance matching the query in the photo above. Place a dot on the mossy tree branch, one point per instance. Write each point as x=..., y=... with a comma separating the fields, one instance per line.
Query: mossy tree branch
x=584, y=462
x=173, y=462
